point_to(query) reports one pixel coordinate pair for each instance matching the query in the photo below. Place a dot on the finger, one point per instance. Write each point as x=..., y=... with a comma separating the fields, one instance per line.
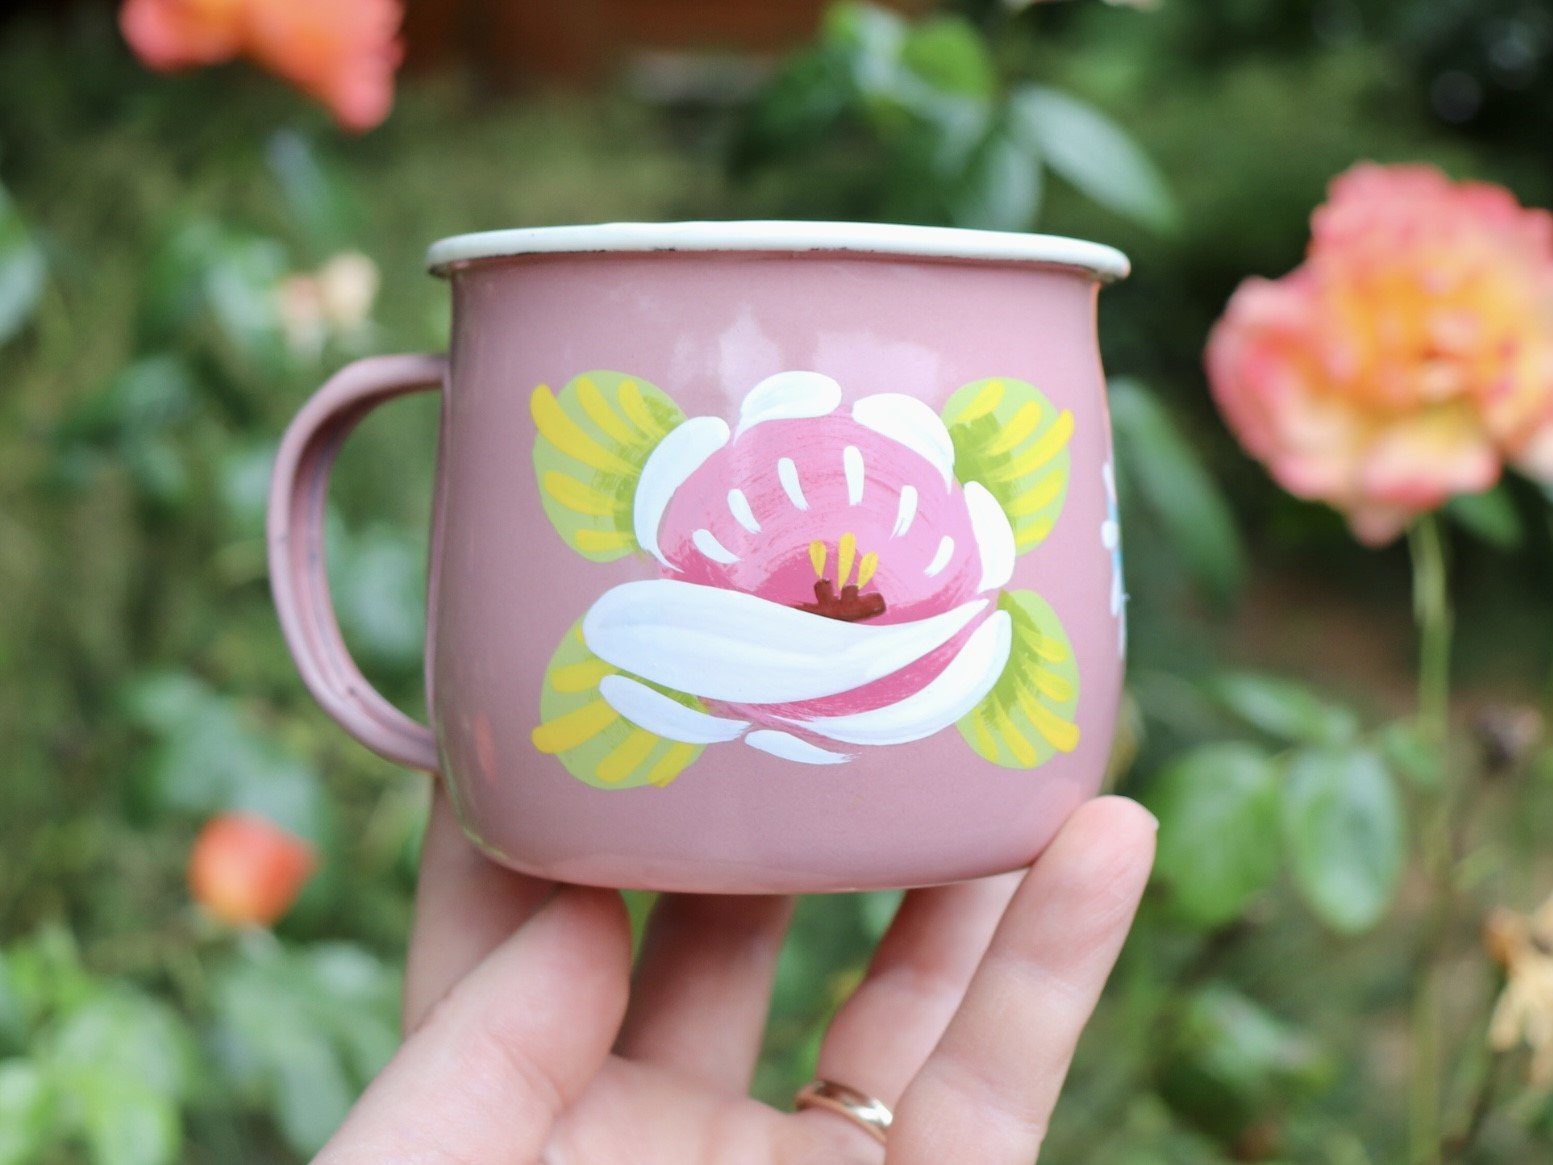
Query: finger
x=883, y=1033
x=986, y=1093
x=465, y=907
x=511, y=1046
x=703, y=985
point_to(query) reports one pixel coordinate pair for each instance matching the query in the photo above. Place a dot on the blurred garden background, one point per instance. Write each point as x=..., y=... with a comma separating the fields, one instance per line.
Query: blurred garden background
x=1351, y=852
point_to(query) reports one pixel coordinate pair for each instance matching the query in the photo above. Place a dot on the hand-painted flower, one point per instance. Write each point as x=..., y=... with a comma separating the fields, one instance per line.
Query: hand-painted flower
x=1407, y=358
x=826, y=580
x=340, y=52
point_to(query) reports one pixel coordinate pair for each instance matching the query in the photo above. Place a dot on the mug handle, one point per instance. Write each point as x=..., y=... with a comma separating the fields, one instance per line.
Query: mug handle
x=298, y=578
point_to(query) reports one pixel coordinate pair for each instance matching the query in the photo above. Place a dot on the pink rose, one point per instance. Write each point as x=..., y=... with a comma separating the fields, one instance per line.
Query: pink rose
x=1407, y=359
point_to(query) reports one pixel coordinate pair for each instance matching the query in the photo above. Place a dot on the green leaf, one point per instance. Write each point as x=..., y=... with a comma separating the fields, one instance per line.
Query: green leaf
x=1490, y=516
x=1218, y=828
x=1230, y=1060
x=1094, y=154
x=1028, y=716
x=797, y=108
x=1290, y=711
x=949, y=54
x=870, y=39
x=1000, y=188
x=1157, y=466
x=125, y=1035
x=127, y=1123
x=1343, y=823
x=209, y=758
x=591, y=440
x=301, y=1032
x=380, y=593
x=1009, y=438
x=317, y=198
x=22, y=270
x=597, y=745
x=27, y=1124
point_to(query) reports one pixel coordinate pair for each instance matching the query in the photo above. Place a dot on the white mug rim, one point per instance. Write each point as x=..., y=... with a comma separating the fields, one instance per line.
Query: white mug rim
x=1102, y=262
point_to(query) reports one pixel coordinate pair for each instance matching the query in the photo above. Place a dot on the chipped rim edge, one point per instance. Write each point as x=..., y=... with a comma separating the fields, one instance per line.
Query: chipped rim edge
x=1105, y=263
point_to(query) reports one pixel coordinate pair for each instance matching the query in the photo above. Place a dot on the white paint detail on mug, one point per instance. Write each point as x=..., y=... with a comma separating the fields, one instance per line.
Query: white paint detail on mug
x=852, y=465
x=739, y=507
x=728, y=645
x=789, y=747
x=788, y=396
x=707, y=543
x=910, y=422
x=665, y=717
x=994, y=536
x=906, y=512
x=941, y=557
x=787, y=474
x=677, y=456
x=947, y=697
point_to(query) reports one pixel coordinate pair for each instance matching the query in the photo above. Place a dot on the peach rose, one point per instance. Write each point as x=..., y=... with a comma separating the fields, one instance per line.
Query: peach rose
x=1408, y=359
x=341, y=52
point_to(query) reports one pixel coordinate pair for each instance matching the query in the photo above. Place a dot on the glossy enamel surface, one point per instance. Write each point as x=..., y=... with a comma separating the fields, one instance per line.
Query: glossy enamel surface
x=706, y=328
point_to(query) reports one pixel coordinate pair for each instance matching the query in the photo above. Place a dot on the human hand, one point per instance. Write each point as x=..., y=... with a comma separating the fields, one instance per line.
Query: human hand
x=532, y=1041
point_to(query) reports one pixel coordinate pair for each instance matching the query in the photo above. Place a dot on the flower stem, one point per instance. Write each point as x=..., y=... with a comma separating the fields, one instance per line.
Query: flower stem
x=1432, y=615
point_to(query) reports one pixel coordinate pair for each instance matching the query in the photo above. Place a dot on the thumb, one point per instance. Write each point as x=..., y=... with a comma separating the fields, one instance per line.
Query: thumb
x=509, y=1048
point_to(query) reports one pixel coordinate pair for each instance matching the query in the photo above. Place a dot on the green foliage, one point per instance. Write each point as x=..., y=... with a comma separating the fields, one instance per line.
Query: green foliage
x=148, y=225
x=1158, y=467
x=1218, y=815
x=301, y=1032
x=1290, y=712
x=21, y=270
x=1343, y=822
x=957, y=140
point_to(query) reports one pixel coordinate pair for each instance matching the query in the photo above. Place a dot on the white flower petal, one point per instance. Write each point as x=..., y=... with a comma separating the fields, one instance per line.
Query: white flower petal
x=994, y=536
x=739, y=507
x=940, y=558
x=706, y=542
x=947, y=697
x=787, y=474
x=910, y=422
x=907, y=511
x=789, y=747
x=852, y=466
x=788, y=395
x=676, y=457
x=665, y=717
x=727, y=645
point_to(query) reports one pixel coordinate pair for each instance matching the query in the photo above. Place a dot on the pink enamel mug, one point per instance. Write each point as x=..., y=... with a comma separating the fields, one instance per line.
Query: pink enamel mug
x=766, y=557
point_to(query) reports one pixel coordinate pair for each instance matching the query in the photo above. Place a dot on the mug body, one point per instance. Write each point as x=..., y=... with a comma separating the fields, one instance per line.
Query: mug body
x=772, y=568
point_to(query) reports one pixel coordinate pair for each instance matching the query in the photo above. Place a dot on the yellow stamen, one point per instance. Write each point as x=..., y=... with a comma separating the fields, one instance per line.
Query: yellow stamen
x=567, y=436
x=599, y=412
x=626, y=756
x=817, y=558
x=846, y=551
x=578, y=726
x=866, y=568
